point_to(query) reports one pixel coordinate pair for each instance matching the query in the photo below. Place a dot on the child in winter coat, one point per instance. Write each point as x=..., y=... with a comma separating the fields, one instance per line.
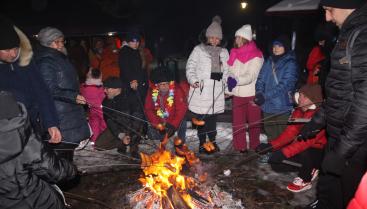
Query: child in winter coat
x=292, y=155
x=93, y=92
x=245, y=61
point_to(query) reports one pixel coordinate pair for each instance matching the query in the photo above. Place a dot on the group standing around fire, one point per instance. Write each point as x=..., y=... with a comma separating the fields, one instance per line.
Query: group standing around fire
x=317, y=129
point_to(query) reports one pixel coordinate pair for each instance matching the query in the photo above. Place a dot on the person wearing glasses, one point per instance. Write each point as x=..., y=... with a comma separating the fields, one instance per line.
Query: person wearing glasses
x=61, y=78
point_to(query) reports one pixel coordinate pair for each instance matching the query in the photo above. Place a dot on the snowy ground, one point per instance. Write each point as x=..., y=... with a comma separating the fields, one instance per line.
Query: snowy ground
x=91, y=161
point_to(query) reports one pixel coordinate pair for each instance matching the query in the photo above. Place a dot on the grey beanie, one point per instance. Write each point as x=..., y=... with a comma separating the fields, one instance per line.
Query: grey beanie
x=214, y=29
x=47, y=35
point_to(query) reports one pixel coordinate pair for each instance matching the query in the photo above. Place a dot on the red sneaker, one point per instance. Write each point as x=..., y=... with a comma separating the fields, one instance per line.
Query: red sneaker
x=298, y=185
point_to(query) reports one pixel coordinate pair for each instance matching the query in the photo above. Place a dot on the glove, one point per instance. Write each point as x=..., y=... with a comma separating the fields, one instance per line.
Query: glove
x=263, y=148
x=170, y=129
x=277, y=157
x=259, y=99
x=333, y=163
x=231, y=83
x=308, y=131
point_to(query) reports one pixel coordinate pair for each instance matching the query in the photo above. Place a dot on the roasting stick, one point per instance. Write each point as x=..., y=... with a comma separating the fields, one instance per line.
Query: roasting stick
x=256, y=155
x=85, y=199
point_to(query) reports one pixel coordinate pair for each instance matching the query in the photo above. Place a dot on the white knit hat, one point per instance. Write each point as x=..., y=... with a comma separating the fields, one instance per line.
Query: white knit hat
x=245, y=32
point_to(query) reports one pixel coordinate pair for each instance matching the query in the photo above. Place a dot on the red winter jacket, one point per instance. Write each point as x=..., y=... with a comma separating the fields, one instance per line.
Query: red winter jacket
x=314, y=58
x=287, y=143
x=176, y=114
x=360, y=198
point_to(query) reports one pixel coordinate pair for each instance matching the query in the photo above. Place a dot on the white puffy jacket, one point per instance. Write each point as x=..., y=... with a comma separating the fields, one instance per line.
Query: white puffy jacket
x=209, y=97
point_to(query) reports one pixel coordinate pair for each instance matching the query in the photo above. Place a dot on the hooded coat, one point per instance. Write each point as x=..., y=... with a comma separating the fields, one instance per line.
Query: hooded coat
x=27, y=168
x=62, y=81
x=23, y=80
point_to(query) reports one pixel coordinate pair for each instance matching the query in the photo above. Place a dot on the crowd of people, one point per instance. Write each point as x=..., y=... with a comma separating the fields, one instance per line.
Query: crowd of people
x=317, y=130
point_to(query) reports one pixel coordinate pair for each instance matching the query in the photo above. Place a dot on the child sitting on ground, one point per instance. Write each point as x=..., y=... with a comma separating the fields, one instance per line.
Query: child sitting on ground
x=292, y=155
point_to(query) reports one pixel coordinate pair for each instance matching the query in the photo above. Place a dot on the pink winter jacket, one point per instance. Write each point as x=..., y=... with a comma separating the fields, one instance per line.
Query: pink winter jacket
x=94, y=95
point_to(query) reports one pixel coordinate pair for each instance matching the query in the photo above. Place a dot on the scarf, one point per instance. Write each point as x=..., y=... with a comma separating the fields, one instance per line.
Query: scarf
x=214, y=52
x=244, y=53
x=93, y=81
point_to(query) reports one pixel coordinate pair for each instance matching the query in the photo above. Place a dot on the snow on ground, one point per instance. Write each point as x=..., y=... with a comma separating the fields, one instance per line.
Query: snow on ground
x=89, y=160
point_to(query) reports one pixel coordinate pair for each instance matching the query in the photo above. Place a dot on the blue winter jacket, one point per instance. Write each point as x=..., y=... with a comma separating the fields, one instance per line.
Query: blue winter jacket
x=278, y=96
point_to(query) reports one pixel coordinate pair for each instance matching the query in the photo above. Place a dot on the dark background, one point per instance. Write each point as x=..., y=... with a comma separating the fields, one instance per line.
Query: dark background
x=171, y=23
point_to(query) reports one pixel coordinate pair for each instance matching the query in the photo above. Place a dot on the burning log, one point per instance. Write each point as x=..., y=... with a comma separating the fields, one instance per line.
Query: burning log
x=176, y=199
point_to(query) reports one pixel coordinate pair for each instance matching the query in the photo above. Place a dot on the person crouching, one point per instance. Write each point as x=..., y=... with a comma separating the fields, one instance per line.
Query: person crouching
x=292, y=155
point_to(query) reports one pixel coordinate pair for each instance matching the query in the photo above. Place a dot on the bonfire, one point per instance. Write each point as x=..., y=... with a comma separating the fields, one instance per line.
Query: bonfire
x=164, y=187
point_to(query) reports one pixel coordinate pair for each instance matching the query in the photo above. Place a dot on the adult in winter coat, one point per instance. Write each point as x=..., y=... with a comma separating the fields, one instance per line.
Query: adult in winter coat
x=165, y=105
x=19, y=75
x=105, y=58
x=93, y=92
x=133, y=76
x=27, y=168
x=206, y=72
x=245, y=62
x=344, y=111
x=62, y=81
x=285, y=148
x=275, y=87
x=319, y=57
x=122, y=128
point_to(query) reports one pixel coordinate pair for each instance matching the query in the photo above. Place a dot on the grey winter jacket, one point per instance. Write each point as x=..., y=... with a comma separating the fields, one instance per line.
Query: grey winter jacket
x=27, y=168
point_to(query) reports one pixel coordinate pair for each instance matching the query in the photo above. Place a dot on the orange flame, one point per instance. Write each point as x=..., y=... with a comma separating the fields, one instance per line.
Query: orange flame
x=162, y=170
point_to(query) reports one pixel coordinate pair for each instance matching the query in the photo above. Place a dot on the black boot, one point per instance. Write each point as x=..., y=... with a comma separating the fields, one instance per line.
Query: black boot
x=217, y=149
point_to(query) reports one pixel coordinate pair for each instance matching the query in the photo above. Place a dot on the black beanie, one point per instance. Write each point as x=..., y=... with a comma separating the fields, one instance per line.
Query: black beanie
x=343, y=4
x=161, y=74
x=284, y=40
x=132, y=37
x=8, y=106
x=8, y=37
x=112, y=82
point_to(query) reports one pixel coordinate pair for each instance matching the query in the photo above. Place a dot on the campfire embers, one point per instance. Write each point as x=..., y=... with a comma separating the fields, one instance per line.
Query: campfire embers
x=165, y=188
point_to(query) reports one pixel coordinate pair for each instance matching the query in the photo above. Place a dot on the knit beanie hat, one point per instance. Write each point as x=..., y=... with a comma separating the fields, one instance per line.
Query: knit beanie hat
x=161, y=74
x=313, y=92
x=215, y=29
x=245, y=32
x=49, y=34
x=9, y=38
x=283, y=41
x=112, y=82
x=343, y=4
x=132, y=37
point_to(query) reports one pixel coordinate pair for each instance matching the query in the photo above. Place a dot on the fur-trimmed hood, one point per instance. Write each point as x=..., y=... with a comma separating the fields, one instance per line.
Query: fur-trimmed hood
x=25, y=48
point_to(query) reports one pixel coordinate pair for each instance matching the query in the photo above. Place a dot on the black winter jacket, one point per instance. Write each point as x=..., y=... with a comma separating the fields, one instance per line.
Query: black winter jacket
x=62, y=81
x=131, y=66
x=345, y=109
x=27, y=168
x=117, y=114
x=23, y=80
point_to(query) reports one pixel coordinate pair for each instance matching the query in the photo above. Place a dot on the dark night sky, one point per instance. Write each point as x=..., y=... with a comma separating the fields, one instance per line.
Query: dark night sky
x=175, y=20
